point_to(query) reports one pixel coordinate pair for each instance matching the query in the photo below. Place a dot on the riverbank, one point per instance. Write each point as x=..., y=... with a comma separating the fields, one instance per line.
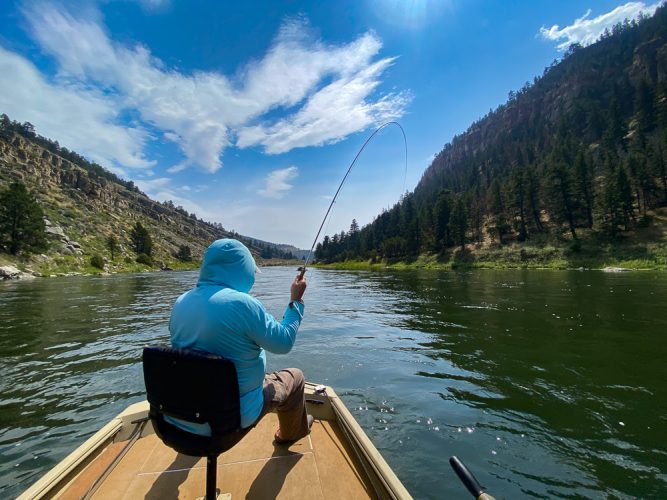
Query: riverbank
x=642, y=248
x=41, y=266
x=553, y=255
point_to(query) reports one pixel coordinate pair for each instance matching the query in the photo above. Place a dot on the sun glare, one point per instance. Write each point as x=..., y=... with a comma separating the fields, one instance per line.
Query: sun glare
x=410, y=14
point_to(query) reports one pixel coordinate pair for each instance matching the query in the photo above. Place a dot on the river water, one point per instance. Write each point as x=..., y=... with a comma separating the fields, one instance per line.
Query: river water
x=546, y=383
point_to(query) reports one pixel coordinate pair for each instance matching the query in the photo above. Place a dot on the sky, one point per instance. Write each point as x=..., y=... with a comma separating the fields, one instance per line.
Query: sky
x=249, y=113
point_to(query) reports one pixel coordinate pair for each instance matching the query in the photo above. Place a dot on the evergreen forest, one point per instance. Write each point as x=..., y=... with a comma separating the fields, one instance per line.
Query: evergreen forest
x=578, y=155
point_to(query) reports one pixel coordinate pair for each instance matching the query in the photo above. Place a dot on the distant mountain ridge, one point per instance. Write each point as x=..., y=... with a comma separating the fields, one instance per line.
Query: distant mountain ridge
x=84, y=204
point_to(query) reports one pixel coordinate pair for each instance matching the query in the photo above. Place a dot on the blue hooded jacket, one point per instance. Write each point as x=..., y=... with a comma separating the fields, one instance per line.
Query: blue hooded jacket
x=218, y=316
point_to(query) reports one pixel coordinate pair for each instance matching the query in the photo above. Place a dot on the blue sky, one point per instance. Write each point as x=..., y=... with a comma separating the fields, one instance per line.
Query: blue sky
x=248, y=113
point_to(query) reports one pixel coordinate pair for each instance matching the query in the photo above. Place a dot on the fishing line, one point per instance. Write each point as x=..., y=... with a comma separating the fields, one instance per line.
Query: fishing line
x=340, y=186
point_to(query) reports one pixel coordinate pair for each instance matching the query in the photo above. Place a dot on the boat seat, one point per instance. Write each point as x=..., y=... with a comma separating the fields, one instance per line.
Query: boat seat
x=199, y=388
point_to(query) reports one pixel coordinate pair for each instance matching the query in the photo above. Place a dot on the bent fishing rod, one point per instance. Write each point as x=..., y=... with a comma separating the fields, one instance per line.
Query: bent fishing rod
x=340, y=186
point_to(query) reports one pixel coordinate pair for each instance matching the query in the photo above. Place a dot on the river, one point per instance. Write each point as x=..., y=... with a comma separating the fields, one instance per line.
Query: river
x=546, y=383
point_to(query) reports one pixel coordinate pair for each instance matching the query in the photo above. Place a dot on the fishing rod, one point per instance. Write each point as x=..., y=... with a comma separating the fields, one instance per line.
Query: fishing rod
x=340, y=186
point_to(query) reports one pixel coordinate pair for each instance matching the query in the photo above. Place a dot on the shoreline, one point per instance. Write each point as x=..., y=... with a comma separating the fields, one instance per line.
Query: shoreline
x=19, y=270
x=610, y=267
x=22, y=270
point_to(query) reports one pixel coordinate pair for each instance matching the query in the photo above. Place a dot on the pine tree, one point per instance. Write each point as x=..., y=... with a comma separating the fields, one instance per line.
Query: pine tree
x=532, y=184
x=624, y=193
x=560, y=194
x=184, y=253
x=427, y=230
x=112, y=245
x=441, y=215
x=517, y=202
x=584, y=181
x=635, y=165
x=610, y=201
x=644, y=106
x=661, y=169
x=475, y=204
x=141, y=240
x=22, y=227
x=615, y=131
x=497, y=207
x=459, y=222
x=661, y=104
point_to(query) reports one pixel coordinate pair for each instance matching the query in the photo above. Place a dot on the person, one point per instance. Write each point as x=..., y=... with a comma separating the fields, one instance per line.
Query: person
x=220, y=317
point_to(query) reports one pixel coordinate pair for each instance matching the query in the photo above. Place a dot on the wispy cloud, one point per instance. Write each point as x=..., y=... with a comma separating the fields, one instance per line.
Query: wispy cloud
x=334, y=86
x=278, y=182
x=586, y=31
x=153, y=184
x=154, y=4
x=162, y=189
x=330, y=114
x=82, y=119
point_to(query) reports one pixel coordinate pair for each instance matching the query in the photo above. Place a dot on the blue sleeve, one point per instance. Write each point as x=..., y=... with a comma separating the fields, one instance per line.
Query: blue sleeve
x=271, y=335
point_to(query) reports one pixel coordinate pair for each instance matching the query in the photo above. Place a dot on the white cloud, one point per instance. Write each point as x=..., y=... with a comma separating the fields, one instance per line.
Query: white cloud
x=586, y=31
x=330, y=114
x=205, y=111
x=153, y=184
x=277, y=182
x=81, y=119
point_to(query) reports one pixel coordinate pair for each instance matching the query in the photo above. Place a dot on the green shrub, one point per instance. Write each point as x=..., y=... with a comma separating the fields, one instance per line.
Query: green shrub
x=97, y=261
x=184, y=253
x=142, y=258
x=575, y=246
x=644, y=221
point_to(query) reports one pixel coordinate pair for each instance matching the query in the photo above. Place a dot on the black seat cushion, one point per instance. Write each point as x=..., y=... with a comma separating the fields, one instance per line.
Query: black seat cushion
x=197, y=387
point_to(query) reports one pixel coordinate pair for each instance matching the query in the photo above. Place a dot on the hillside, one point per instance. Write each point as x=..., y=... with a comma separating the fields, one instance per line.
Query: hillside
x=84, y=204
x=570, y=171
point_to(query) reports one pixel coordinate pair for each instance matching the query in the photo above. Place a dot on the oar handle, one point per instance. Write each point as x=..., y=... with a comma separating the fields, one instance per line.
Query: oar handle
x=468, y=479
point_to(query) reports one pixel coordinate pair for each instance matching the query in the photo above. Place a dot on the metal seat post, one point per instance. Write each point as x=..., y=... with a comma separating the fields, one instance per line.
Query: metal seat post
x=211, y=470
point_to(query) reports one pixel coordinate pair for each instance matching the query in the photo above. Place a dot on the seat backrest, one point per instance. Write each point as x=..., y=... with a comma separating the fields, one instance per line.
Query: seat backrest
x=193, y=386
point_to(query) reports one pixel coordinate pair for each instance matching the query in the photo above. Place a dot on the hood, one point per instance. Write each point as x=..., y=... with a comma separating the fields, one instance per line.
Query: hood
x=228, y=263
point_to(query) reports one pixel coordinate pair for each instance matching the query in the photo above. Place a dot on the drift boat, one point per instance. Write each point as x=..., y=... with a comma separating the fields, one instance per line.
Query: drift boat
x=125, y=459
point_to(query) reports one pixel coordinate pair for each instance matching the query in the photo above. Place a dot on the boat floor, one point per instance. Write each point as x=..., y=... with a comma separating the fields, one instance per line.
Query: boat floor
x=319, y=466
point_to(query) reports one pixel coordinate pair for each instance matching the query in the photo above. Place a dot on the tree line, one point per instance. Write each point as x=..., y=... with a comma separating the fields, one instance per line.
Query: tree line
x=582, y=149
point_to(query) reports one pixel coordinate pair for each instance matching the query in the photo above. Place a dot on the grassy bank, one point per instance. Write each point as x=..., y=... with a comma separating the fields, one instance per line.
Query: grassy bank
x=554, y=255
x=67, y=265
x=644, y=247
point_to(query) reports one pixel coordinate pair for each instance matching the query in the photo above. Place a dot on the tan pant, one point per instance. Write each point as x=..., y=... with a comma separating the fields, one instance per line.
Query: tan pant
x=284, y=392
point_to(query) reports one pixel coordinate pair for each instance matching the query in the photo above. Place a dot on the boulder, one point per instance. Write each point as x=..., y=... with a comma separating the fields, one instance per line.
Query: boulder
x=616, y=270
x=56, y=232
x=13, y=273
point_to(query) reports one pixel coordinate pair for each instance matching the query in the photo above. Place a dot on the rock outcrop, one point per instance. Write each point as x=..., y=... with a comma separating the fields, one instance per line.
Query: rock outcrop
x=13, y=273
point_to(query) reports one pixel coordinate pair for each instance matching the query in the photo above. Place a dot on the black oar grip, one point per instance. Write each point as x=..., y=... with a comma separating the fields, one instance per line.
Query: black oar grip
x=466, y=477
